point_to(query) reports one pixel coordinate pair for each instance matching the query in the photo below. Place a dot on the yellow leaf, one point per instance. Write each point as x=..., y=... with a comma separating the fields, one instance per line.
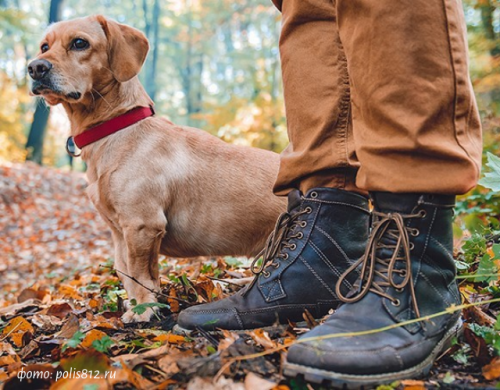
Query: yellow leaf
x=91, y=336
x=18, y=324
x=492, y=370
x=411, y=384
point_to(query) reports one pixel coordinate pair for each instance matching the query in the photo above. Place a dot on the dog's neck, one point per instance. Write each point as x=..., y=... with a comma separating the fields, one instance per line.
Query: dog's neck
x=111, y=101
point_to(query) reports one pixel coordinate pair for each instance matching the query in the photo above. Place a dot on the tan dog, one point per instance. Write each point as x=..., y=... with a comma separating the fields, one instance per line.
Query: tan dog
x=161, y=188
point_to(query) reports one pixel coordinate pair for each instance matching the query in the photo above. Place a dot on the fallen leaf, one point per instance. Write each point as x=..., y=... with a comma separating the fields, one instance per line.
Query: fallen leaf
x=207, y=384
x=253, y=381
x=92, y=336
x=6, y=360
x=69, y=328
x=12, y=310
x=59, y=310
x=492, y=371
x=18, y=324
x=410, y=384
x=81, y=383
x=88, y=359
x=262, y=338
x=170, y=338
x=229, y=339
x=19, y=331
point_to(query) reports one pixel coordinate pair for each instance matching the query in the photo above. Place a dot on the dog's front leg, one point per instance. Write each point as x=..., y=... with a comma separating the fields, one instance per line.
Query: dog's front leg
x=143, y=240
x=121, y=259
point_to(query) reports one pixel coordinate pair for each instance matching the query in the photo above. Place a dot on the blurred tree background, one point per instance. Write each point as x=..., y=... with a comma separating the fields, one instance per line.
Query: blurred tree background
x=213, y=64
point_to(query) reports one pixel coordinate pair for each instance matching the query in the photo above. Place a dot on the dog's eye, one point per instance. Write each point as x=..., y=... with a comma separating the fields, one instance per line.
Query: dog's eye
x=79, y=44
x=44, y=47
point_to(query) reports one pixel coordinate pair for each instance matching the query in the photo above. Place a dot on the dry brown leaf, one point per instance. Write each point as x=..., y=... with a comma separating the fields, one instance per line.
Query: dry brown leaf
x=17, y=324
x=69, y=328
x=92, y=336
x=223, y=383
x=229, y=338
x=6, y=349
x=68, y=291
x=262, y=338
x=88, y=359
x=11, y=310
x=168, y=364
x=170, y=338
x=95, y=304
x=492, y=370
x=174, y=303
x=7, y=359
x=253, y=382
x=135, y=379
x=19, y=331
x=46, y=323
x=59, y=310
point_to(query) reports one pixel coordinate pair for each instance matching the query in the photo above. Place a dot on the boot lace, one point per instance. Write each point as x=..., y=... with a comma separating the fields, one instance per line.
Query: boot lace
x=378, y=273
x=279, y=239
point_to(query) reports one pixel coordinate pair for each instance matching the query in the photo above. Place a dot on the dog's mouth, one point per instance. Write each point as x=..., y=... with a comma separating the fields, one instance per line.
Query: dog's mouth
x=48, y=91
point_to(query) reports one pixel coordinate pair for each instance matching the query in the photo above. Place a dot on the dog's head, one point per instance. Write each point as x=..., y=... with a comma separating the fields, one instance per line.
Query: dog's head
x=84, y=56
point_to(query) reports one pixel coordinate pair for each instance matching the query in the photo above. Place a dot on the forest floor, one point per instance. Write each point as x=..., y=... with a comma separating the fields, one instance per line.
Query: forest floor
x=61, y=302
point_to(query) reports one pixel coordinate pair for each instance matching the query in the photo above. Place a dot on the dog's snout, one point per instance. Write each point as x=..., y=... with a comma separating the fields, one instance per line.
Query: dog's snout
x=38, y=69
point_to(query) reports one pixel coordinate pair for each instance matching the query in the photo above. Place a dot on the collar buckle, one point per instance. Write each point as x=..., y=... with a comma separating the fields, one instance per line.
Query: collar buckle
x=71, y=147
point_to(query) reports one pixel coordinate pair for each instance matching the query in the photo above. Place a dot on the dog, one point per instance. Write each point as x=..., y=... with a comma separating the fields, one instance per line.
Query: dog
x=161, y=188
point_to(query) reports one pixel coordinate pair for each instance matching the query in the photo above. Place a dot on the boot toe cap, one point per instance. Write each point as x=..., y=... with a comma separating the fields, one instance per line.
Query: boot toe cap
x=209, y=319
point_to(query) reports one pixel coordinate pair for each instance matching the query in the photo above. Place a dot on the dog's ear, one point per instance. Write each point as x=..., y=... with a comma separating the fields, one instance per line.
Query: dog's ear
x=127, y=48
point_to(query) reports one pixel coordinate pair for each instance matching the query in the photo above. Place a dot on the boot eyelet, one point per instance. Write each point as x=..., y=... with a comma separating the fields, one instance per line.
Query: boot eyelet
x=300, y=236
x=286, y=256
x=412, y=246
x=422, y=214
x=303, y=224
x=314, y=194
x=266, y=274
x=396, y=302
x=293, y=247
x=399, y=290
x=308, y=210
x=415, y=232
x=275, y=264
x=402, y=273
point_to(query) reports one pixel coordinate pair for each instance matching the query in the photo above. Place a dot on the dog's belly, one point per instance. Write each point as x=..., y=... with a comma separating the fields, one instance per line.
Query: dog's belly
x=192, y=245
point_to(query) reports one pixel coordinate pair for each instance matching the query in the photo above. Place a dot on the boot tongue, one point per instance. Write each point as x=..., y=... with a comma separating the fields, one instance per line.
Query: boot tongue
x=294, y=200
x=388, y=202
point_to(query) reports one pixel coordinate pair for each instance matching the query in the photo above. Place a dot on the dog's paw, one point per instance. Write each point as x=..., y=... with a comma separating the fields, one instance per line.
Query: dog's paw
x=127, y=305
x=129, y=316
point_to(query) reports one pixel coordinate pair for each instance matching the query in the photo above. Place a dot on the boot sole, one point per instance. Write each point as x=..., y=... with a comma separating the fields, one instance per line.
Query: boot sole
x=350, y=381
x=189, y=332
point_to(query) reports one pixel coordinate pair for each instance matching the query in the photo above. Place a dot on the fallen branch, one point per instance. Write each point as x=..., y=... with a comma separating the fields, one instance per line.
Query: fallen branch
x=147, y=288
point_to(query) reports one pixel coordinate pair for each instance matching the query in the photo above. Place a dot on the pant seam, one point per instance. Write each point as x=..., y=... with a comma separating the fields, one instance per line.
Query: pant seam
x=455, y=84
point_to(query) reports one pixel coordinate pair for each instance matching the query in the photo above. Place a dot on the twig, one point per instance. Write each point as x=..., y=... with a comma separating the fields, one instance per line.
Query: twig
x=147, y=288
x=211, y=339
x=12, y=330
x=448, y=310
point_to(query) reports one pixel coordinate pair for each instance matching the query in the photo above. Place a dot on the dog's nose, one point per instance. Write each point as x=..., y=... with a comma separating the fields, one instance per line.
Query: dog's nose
x=37, y=69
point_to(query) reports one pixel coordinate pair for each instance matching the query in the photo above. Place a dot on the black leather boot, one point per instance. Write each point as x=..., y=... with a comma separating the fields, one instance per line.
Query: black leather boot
x=407, y=272
x=313, y=243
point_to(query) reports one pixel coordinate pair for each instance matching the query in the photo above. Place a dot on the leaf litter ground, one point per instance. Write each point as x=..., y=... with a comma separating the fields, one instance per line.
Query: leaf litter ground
x=61, y=302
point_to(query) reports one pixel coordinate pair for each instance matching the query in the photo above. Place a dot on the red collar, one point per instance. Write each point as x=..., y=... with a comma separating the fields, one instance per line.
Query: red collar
x=109, y=127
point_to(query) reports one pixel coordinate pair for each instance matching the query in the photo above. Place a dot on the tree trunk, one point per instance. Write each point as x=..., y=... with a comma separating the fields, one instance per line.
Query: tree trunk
x=487, y=18
x=34, y=145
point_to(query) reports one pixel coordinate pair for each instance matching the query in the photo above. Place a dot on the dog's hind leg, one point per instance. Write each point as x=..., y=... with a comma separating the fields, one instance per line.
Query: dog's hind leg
x=143, y=238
